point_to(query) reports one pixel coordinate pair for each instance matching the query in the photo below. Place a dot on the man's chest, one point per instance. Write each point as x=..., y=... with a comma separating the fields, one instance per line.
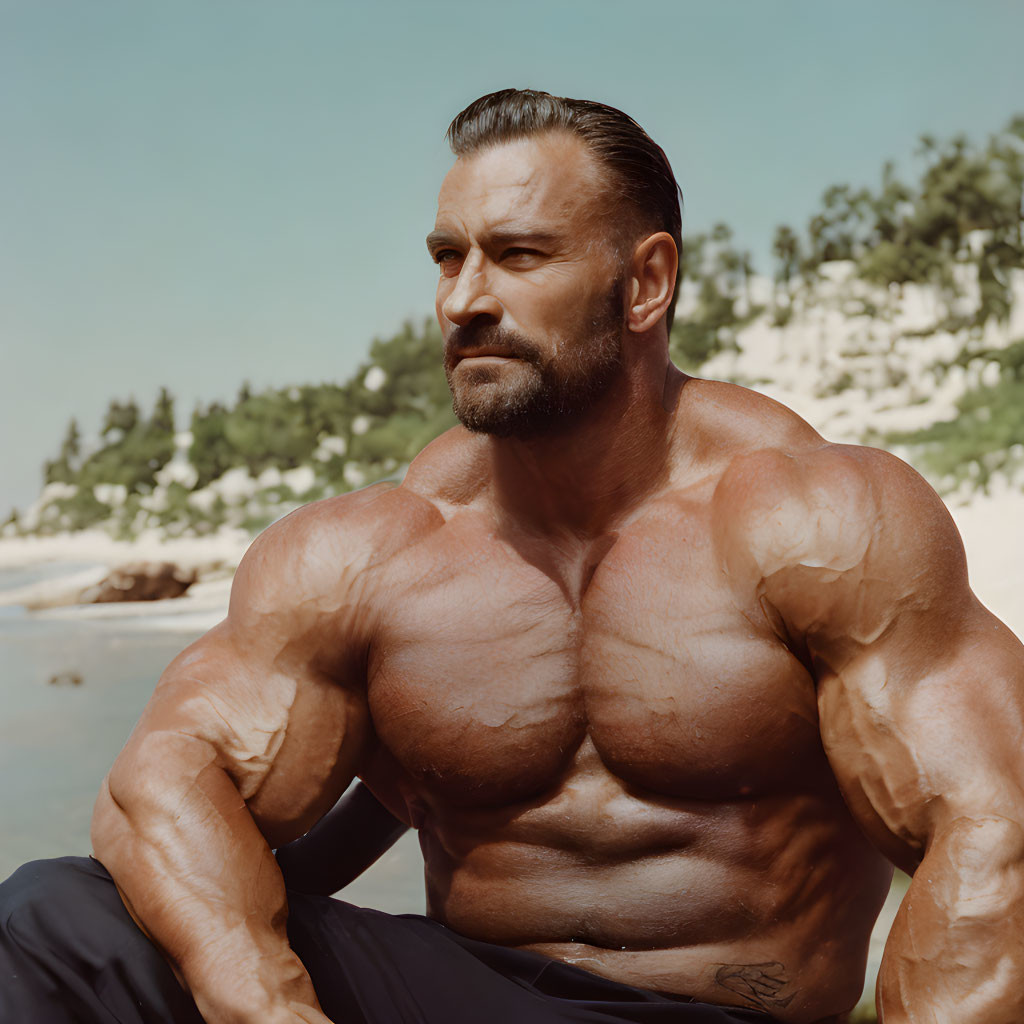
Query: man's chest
x=489, y=668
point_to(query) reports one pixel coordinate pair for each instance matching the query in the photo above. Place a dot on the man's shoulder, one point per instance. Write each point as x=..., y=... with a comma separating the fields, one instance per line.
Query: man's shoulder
x=352, y=527
x=786, y=496
x=725, y=420
x=352, y=532
x=307, y=557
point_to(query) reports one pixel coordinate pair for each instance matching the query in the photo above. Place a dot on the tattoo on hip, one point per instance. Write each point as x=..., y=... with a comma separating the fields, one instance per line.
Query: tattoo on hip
x=760, y=985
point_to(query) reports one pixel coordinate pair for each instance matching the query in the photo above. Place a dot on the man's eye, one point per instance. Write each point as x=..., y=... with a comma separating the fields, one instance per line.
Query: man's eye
x=449, y=262
x=518, y=251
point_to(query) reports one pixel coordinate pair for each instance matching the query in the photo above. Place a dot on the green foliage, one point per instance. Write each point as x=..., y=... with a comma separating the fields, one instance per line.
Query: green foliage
x=706, y=332
x=786, y=250
x=211, y=453
x=893, y=262
x=122, y=418
x=721, y=274
x=271, y=429
x=78, y=512
x=903, y=234
x=283, y=428
x=987, y=435
x=65, y=466
x=162, y=420
x=376, y=423
x=132, y=460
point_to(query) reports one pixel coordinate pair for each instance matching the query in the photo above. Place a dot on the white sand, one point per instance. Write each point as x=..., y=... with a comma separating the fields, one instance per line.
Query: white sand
x=993, y=533
x=96, y=546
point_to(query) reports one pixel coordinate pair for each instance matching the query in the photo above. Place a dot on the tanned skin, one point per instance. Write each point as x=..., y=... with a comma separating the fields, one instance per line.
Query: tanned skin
x=665, y=690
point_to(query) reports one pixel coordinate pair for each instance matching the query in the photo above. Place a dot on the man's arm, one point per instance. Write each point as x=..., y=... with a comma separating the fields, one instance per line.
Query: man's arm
x=251, y=734
x=921, y=704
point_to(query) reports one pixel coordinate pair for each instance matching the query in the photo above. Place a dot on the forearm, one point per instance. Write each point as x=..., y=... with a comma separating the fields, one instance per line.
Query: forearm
x=200, y=879
x=955, y=950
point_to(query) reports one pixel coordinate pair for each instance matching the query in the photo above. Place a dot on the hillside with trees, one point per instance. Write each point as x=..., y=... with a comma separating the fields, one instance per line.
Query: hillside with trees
x=894, y=317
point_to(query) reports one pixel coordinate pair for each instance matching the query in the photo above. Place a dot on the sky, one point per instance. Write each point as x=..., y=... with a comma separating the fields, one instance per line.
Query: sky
x=205, y=192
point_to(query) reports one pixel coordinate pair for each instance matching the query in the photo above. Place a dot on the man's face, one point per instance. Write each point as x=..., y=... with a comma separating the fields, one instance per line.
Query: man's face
x=530, y=297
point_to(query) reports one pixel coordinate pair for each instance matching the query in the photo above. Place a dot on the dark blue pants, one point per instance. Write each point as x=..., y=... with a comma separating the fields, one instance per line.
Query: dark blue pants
x=70, y=954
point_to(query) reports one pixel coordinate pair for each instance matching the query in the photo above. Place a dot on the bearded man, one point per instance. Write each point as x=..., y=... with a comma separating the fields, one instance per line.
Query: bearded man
x=665, y=681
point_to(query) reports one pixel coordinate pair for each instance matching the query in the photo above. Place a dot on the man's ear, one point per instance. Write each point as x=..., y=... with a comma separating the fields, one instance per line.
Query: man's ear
x=652, y=280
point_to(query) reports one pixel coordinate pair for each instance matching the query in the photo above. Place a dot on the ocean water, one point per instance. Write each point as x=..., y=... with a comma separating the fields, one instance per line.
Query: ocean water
x=59, y=738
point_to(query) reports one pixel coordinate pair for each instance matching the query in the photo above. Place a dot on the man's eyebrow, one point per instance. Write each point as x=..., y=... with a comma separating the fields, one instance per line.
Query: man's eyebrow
x=503, y=235
x=437, y=238
x=500, y=235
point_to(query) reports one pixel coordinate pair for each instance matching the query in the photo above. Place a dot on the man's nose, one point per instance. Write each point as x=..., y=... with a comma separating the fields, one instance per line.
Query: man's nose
x=471, y=296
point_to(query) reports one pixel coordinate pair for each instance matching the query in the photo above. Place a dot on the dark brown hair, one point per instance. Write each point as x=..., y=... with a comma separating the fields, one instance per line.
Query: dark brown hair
x=640, y=172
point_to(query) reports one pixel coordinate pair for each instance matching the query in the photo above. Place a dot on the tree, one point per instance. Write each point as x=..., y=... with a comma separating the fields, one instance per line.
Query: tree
x=691, y=259
x=64, y=468
x=162, y=420
x=211, y=453
x=786, y=250
x=709, y=330
x=71, y=449
x=120, y=417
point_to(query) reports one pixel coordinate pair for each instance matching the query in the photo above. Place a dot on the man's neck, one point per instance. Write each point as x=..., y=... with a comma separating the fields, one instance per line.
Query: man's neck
x=584, y=479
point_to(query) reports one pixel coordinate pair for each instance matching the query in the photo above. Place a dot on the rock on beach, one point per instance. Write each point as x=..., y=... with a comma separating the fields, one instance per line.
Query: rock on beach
x=140, y=581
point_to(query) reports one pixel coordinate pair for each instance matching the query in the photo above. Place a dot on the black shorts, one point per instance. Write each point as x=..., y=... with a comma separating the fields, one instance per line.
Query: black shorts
x=70, y=953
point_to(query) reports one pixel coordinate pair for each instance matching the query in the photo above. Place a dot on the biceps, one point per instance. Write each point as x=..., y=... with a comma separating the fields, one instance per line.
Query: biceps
x=318, y=753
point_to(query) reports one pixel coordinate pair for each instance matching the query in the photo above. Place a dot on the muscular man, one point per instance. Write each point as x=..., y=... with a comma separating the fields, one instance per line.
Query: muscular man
x=665, y=681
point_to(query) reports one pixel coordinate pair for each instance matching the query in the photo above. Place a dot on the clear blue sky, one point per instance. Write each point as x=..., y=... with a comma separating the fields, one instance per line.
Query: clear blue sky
x=199, y=192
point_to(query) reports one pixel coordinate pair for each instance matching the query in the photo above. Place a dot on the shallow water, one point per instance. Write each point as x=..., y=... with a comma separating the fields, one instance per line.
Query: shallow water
x=57, y=740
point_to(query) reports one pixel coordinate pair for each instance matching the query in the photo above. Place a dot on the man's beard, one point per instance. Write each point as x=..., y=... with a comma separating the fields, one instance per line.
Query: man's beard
x=532, y=396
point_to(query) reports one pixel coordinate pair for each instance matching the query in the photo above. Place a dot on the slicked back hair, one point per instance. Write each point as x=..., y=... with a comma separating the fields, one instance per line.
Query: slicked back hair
x=639, y=172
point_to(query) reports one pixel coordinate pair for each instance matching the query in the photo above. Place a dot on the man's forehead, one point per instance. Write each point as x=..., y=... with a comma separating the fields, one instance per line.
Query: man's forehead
x=553, y=176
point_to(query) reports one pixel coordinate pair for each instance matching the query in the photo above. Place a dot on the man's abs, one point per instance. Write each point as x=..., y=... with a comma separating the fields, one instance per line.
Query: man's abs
x=683, y=896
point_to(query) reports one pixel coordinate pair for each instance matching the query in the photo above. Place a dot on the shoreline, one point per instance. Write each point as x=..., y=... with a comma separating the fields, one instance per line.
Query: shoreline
x=97, y=546
x=988, y=524
x=63, y=565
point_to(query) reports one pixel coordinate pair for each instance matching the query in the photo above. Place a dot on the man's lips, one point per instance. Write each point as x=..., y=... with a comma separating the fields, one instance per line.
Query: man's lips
x=484, y=353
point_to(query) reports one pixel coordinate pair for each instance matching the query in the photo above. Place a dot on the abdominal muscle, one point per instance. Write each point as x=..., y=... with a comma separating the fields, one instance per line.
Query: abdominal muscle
x=764, y=902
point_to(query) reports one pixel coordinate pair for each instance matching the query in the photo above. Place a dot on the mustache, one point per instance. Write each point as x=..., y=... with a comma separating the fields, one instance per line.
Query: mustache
x=490, y=336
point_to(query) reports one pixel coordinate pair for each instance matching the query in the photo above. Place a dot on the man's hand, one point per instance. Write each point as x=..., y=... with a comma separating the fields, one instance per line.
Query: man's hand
x=252, y=733
x=921, y=705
